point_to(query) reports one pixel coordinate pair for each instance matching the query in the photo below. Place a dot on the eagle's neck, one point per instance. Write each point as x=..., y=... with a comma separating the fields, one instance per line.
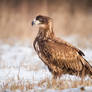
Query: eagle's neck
x=46, y=32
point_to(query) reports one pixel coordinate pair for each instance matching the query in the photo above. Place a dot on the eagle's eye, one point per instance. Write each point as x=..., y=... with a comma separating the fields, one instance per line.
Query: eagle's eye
x=42, y=19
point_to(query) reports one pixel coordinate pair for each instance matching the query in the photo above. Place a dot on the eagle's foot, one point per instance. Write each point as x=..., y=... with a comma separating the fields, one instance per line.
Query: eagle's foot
x=54, y=82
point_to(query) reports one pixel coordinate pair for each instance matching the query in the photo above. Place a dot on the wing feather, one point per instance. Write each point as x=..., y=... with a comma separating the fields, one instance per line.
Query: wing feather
x=68, y=44
x=62, y=55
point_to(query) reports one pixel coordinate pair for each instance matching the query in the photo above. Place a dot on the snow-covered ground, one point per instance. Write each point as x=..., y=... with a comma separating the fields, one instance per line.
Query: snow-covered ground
x=21, y=70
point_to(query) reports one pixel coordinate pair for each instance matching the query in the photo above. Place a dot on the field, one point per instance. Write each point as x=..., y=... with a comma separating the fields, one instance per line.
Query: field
x=21, y=70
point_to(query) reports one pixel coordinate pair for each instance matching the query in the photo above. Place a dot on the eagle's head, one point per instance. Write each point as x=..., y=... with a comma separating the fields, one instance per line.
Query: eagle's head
x=42, y=21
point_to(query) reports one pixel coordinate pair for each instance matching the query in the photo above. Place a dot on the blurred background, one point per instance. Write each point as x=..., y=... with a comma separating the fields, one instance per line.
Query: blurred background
x=72, y=18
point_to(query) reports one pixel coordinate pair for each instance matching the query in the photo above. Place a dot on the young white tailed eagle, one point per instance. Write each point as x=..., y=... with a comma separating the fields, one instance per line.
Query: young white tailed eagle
x=59, y=56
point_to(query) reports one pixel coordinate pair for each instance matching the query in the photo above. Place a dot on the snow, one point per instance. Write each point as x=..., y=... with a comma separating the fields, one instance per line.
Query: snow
x=13, y=58
x=21, y=61
x=88, y=54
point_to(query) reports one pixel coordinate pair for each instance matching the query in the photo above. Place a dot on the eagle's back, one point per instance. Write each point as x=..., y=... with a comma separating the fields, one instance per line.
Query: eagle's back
x=61, y=55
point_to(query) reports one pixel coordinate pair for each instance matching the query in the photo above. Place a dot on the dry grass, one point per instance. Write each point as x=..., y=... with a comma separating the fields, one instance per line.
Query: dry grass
x=13, y=85
x=22, y=85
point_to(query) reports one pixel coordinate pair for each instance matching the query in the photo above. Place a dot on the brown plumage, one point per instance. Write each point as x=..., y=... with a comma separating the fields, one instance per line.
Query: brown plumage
x=60, y=56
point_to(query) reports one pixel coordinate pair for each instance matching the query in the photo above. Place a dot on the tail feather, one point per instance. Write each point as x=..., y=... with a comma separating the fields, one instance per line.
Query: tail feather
x=88, y=68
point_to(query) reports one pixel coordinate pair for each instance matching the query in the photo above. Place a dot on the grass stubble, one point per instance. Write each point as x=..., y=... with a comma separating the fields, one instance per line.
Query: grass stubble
x=26, y=85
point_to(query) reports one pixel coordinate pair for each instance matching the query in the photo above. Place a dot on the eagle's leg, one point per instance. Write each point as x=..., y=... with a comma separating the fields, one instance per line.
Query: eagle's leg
x=56, y=76
x=78, y=74
x=83, y=74
x=54, y=81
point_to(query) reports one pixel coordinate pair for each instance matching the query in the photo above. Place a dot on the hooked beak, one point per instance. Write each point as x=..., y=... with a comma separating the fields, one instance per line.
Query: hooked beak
x=35, y=22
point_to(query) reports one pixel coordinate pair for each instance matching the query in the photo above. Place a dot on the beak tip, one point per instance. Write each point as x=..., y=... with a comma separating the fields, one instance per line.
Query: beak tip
x=32, y=23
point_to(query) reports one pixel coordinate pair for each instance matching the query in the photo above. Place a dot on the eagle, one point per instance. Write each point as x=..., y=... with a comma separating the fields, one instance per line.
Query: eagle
x=58, y=55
